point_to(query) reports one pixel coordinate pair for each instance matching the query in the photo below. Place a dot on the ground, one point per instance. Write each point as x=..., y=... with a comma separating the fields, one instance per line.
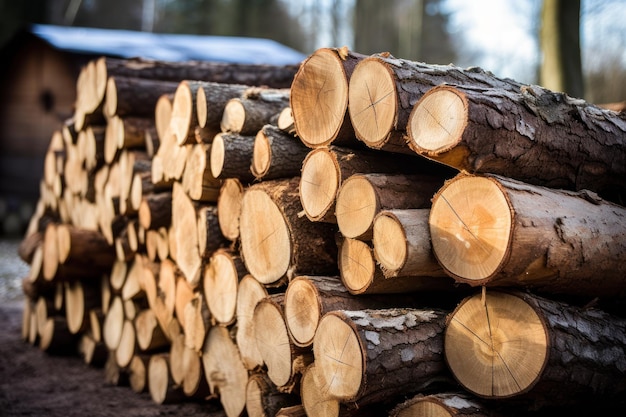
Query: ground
x=34, y=383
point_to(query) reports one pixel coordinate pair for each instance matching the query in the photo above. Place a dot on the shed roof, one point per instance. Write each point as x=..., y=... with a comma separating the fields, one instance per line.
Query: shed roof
x=166, y=47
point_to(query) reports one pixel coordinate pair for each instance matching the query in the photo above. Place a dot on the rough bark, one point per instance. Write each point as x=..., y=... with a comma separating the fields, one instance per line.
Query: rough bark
x=277, y=154
x=231, y=157
x=211, y=98
x=495, y=231
x=155, y=210
x=126, y=96
x=264, y=399
x=537, y=351
x=534, y=135
x=256, y=107
x=198, y=180
x=370, y=356
x=210, y=236
x=445, y=404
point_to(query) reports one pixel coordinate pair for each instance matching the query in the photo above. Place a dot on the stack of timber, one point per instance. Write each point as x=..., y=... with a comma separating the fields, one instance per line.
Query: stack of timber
x=375, y=236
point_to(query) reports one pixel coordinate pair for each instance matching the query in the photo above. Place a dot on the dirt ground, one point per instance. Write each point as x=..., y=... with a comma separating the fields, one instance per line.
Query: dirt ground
x=34, y=383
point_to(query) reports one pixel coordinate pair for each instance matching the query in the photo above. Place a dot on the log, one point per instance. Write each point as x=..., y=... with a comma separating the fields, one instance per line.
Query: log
x=283, y=359
x=276, y=242
x=220, y=281
x=113, y=323
x=198, y=179
x=285, y=121
x=308, y=298
x=185, y=293
x=113, y=374
x=211, y=99
x=444, y=404
x=56, y=338
x=249, y=293
x=138, y=373
x=210, y=237
x=87, y=247
x=264, y=399
x=535, y=351
x=276, y=154
x=197, y=322
x=184, y=118
x=29, y=245
x=326, y=168
x=126, y=348
x=383, y=90
x=316, y=400
x=79, y=299
x=94, y=353
x=361, y=275
x=401, y=242
x=256, y=107
x=495, y=231
x=535, y=135
x=370, y=356
x=150, y=336
x=155, y=210
x=163, y=116
x=184, y=226
x=134, y=96
x=319, y=97
x=362, y=196
x=229, y=207
x=160, y=384
x=231, y=157
x=224, y=370
x=194, y=384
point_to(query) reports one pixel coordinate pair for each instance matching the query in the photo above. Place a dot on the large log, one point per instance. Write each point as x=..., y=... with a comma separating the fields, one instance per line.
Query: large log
x=535, y=135
x=495, y=231
x=276, y=242
x=540, y=352
x=371, y=356
x=319, y=97
x=383, y=90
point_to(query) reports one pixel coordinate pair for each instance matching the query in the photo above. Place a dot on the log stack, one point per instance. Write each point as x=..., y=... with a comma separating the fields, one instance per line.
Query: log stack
x=375, y=236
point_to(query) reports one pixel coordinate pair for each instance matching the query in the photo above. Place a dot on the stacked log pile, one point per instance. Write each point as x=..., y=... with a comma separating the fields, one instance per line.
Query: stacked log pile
x=373, y=236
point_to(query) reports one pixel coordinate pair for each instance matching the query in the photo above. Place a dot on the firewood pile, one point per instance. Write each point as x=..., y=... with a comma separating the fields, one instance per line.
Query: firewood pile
x=358, y=235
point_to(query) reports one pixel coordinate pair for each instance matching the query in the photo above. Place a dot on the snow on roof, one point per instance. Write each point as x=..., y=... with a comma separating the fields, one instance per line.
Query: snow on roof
x=167, y=47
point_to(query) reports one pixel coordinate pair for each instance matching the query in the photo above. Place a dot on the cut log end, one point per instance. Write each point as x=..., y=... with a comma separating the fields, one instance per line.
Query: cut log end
x=356, y=264
x=201, y=107
x=390, y=244
x=182, y=113
x=261, y=155
x=356, y=207
x=217, y=155
x=319, y=183
x=437, y=121
x=272, y=340
x=234, y=116
x=110, y=97
x=302, y=311
x=372, y=102
x=470, y=226
x=339, y=357
x=496, y=345
x=319, y=98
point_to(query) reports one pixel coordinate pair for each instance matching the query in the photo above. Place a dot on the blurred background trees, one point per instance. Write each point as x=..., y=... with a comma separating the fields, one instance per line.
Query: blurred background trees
x=422, y=30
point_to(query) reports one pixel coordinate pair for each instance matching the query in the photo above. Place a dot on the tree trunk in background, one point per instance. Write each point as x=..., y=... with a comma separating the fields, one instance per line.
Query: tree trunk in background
x=561, y=69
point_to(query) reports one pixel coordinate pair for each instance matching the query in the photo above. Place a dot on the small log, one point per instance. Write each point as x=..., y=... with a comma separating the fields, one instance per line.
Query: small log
x=264, y=399
x=113, y=323
x=79, y=299
x=220, y=281
x=249, y=293
x=88, y=247
x=150, y=336
x=155, y=210
x=379, y=354
x=229, y=207
x=56, y=338
x=256, y=107
x=362, y=196
x=276, y=242
x=94, y=353
x=285, y=121
x=277, y=154
x=211, y=98
x=283, y=359
x=535, y=351
x=319, y=97
x=495, y=231
x=126, y=348
x=231, y=157
x=210, y=237
x=194, y=384
x=197, y=322
x=126, y=96
x=224, y=370
x=138, y=373
x=184, y=227
x=535, y=136
x=162, y=388
x=198, y=179
x=316, y=399
x=184, y=118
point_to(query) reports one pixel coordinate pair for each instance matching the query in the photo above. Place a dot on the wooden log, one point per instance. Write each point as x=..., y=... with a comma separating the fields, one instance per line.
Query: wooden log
x=94, y=353
x=284, y=360
x=276, y=154
x=184, y=118
x=197, y=322
x=308, y=298
x=249, y=293
x=285, y=121
x=316, y=400
x=383, y=90
x=537, y=351
x=256, y=107
x=210, y=237
x=544, y=139
x=370, y=356
x=224, y=370
x=160, y=384
x=150, y=336
x=185, y=292
x=177, y=352
x=229, y=207
x=220, y=281
x=264, y=399
x=87, y=247
x=56, y=338
x=184, y=226
x=138, y=373
x=319, y=97
x=444, y=404
x=79, y=299
x=362, y=196
x=94, y=147
x=126, y=348
x=29, y=245
x=194, y=384
x=163, y=116
x=124, y=133
x=276, y=242
x=211, y=98
x=113, y=374
x=401, y=242
x=231, y=157
x=361, y=275
x=155, y=210
x=326, y=168
x=198, y=179
x=495, y=231
x=291, y=411
x=134, y=96
x=113, y=323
